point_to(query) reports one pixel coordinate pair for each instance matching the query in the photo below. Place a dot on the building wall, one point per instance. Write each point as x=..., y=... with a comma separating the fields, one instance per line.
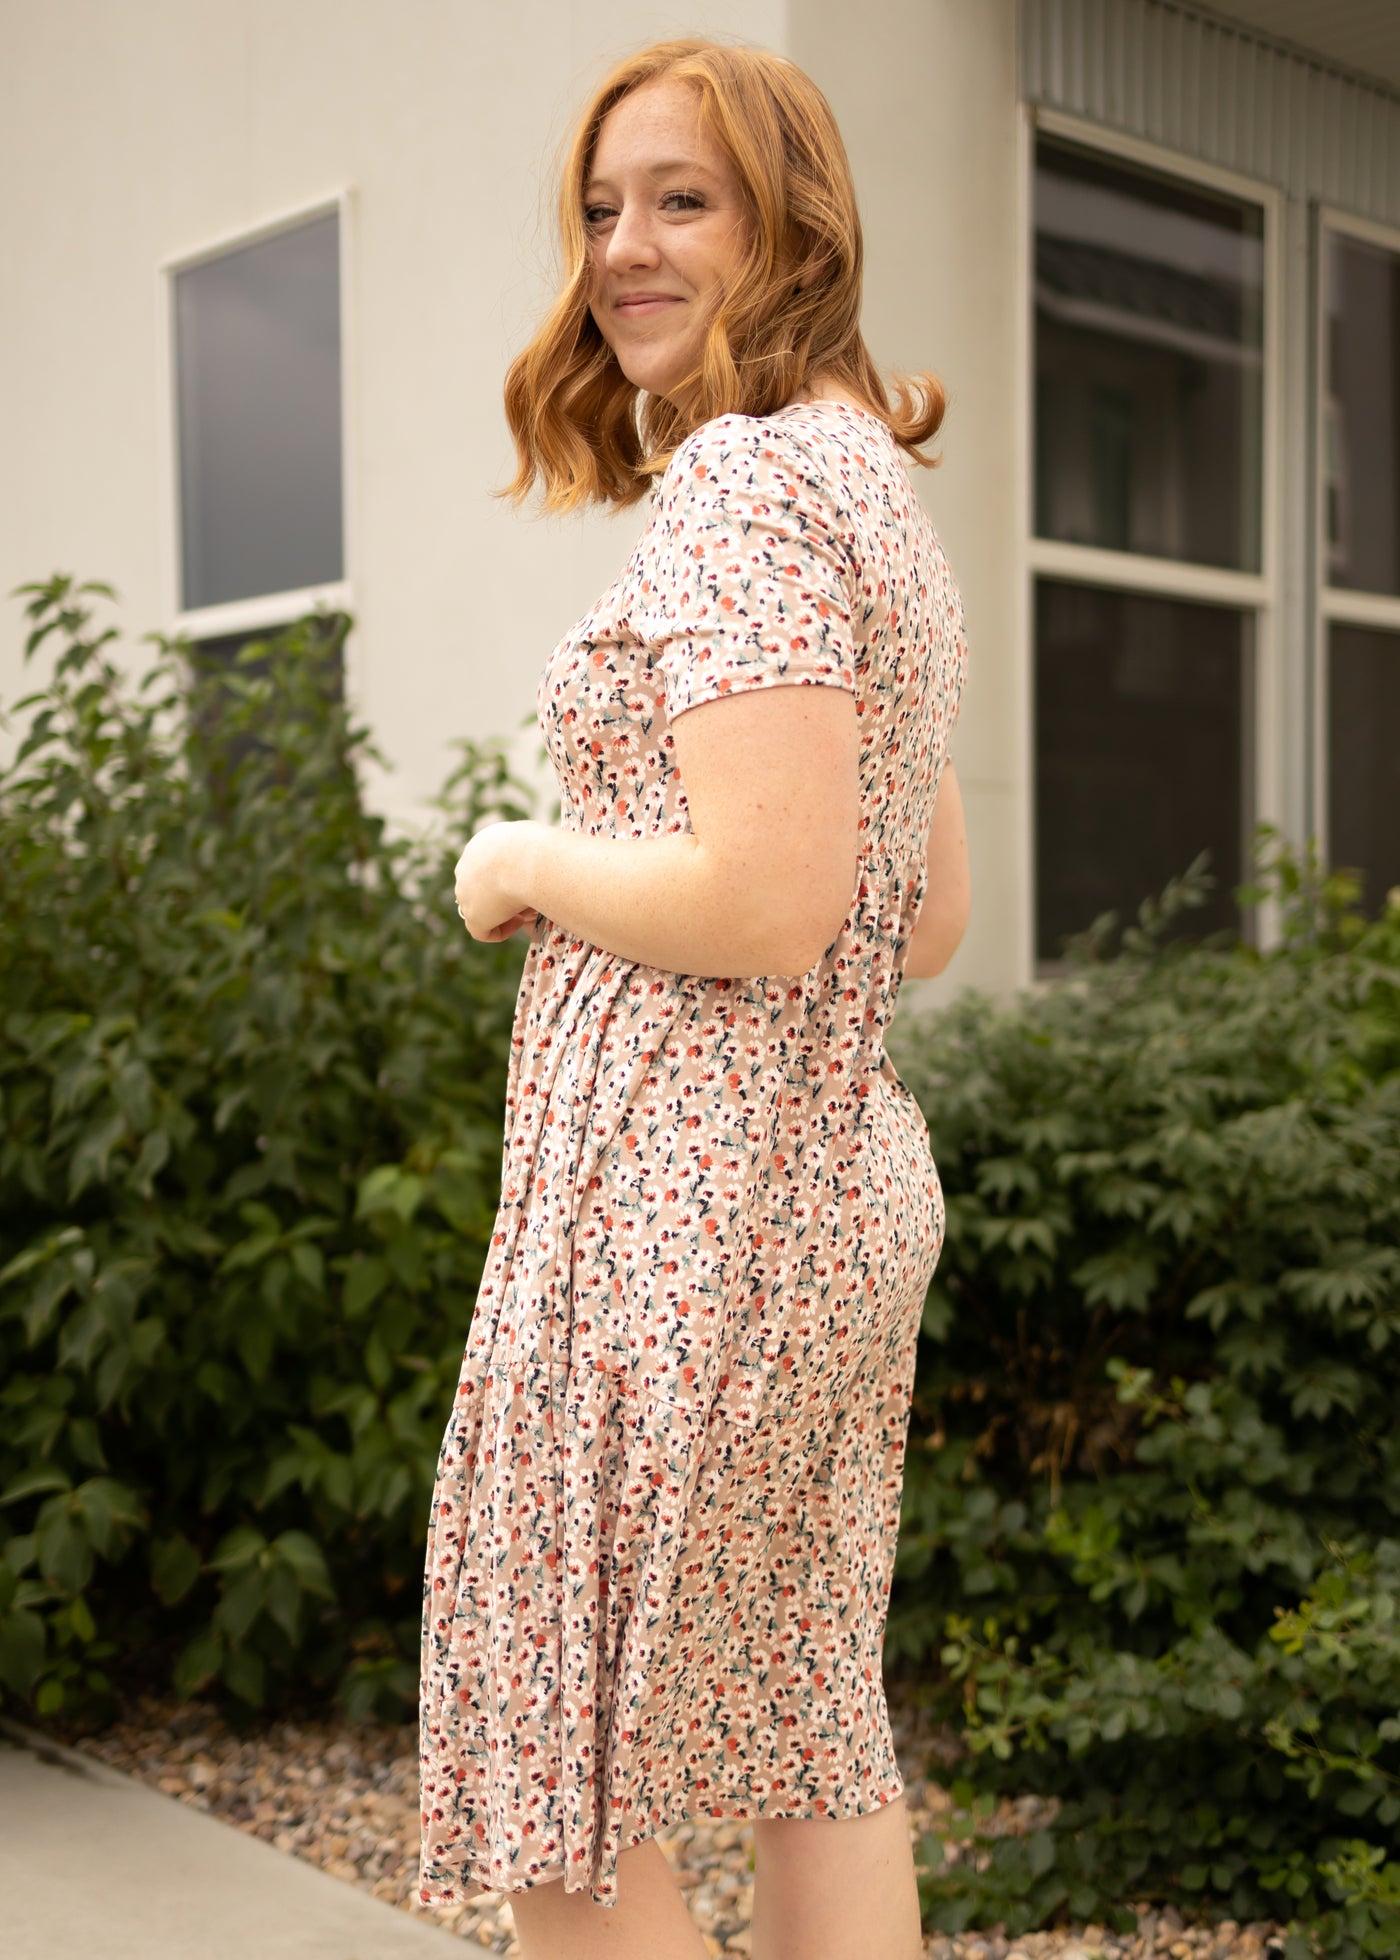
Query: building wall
x=130, y=136
x=133, y=138
x=925, y=92
x=136, y=136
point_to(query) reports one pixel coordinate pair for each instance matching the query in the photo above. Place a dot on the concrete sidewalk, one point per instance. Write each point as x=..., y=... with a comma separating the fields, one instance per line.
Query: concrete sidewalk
x=93, y=1862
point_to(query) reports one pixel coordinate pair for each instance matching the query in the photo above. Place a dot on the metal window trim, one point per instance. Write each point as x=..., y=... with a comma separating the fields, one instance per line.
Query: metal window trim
x=274, y=610
x=1378, y=611
x=1334, y=603
x=1333, y=218
x=1318, y=825
x=1161, y=578
x=1024, y=624
x=237, y=238
x=1154, y=156
x=279, y=608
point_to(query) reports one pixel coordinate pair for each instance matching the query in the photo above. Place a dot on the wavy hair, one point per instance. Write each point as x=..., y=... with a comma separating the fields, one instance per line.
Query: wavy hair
x=790, y=316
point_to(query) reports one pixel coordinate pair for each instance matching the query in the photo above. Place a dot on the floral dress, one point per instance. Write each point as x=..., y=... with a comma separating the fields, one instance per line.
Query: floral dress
x=664, y=1526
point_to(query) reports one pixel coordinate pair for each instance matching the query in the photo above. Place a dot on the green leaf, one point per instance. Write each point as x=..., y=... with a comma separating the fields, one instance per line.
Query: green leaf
x=256, y=1343
x=283, y=1600
x=91, y=1161
x=364, y=1282
x=250, y=1251
x=86, y=1443
x=243, y=1599
x=199, y=1662
x=36, y=1482
x=152, y=1158
x=390, y=1189
x=174, y=1568
x=246, y=1675
x=17, y=1554
x=110, y=1512
x=65, y=1553
x=1040, y=1847
x=39, y=1255
x=310, y=1266
x=238, y=1548
x=22, y=1651
x=48, y=1295
x=305, y=1558
x=379, y=1365
x=1121, y=1279
x=937, y=1318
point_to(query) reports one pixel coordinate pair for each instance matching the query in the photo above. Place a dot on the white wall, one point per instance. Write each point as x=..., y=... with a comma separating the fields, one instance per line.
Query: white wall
x=925, y=93
x=131, y=135
x=134, y=135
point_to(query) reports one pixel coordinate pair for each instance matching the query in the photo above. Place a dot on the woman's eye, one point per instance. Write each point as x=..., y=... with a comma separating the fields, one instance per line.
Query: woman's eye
x=596, y=217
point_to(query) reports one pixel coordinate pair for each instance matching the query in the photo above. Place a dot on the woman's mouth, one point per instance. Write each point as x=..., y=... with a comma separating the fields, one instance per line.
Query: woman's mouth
x=637, y=305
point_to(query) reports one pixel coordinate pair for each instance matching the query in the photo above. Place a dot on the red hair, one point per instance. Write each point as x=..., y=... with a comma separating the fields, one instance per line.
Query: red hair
x=789, y=318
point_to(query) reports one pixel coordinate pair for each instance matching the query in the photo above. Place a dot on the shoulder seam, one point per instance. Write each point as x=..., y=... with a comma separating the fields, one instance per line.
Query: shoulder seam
x=761, y=428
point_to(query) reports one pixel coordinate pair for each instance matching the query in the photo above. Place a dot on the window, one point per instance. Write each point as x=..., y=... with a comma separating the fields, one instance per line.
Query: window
x=1142, y=711
x=1360, y=523
x=1149, y=401
x=1149, y=305
x=1363, y=756
x=226, y=733
x=221, y=651
x=258, y=418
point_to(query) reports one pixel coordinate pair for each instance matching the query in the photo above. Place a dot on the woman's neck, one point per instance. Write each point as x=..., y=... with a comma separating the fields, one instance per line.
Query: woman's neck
x=829, y=391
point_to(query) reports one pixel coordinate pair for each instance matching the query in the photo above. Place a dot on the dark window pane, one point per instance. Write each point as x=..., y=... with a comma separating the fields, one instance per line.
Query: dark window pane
x=215, y=655
x=224, y=731
x=1141, y=743
x=1363, y=756
x=1149, y=335
x=1362, y=442
x=257, y=341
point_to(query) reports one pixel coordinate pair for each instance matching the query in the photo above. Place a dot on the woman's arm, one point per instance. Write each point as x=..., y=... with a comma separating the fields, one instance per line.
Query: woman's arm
x=943, y=915
x=761, y=884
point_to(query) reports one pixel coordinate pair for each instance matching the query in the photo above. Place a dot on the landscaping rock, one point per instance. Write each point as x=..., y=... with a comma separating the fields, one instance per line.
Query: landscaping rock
x=345, y=1797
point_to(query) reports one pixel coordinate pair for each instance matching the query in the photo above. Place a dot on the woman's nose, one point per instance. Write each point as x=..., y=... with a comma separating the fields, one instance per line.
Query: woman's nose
x=631, y=242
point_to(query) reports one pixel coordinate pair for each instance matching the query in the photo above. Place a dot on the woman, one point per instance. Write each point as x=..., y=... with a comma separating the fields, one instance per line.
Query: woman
x=669, y=1491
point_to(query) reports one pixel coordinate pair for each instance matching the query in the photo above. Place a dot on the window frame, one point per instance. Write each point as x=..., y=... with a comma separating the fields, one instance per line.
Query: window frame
x=1334, y=604
x=1257, y=593
x=265, y=611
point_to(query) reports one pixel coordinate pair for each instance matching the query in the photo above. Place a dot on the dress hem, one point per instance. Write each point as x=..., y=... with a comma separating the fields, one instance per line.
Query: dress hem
x=454, y=1895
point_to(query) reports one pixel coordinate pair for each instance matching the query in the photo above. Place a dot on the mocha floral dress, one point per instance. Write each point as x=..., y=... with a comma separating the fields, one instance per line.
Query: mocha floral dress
x=667, y=1502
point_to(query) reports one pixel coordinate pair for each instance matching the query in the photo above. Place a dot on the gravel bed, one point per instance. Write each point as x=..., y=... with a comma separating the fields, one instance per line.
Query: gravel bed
x=346, y=1798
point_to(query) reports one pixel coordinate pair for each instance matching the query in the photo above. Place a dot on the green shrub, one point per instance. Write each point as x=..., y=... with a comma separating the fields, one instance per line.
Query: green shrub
x=251, y=1084
x=251, y=1081
x=1152, y=1506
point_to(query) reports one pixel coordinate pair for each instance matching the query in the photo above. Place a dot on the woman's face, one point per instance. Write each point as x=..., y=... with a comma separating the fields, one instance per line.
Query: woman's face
x=666, y=228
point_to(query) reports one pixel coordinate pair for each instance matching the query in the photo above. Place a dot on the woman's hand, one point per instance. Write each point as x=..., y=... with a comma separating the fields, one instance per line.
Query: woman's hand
x=490, y=879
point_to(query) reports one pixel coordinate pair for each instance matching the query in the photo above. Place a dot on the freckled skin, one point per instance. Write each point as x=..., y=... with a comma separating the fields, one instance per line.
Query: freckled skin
x=667, y=227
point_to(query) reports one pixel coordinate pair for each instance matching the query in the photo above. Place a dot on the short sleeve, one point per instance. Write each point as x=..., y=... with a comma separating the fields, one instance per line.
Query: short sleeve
x=750, y=580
